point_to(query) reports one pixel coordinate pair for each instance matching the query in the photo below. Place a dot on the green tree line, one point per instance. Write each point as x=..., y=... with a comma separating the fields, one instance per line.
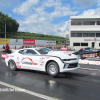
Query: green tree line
x=11, y=24
x=36, y=36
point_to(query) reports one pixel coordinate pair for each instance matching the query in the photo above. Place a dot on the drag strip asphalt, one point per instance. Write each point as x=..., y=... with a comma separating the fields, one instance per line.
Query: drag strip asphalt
x=80, y=84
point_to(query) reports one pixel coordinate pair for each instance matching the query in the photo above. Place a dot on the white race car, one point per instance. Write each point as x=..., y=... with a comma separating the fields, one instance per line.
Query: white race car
x=42, y=59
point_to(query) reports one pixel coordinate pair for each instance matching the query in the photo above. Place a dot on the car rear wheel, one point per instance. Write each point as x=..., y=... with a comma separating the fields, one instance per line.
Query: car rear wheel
x=12, y=65
x=53, y=69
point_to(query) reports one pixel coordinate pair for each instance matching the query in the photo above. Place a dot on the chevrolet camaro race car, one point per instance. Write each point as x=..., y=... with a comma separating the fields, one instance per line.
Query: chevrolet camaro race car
x=42, y=59
x=87, y=52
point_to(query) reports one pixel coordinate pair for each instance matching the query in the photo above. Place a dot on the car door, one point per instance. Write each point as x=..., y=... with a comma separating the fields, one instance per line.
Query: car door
x=30, y=60
x=87, y=50
x=18, y=58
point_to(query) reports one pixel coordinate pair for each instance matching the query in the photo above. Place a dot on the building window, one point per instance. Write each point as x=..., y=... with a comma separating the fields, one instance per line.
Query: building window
x=98, y=22
x=85, y=34
x=88, y=34
x=85, y=22
x=73, y=22
x=92, y=22
x=76, y=22
x=73, y=34
x=76, y=44
x=79, y=34
x=79, y=22
x=99, y=44
x=97, y=34
x=84, y=44
x=91, y=34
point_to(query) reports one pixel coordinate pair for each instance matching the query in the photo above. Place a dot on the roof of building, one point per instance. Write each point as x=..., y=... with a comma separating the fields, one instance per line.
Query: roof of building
x=85, y=17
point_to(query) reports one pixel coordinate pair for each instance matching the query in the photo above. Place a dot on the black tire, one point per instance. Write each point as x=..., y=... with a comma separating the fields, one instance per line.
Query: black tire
x=81, y=56
x=12, y=65
x=53, y=69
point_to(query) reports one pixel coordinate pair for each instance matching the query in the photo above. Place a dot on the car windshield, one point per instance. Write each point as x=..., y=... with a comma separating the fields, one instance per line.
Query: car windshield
x=43, y=50
x=92, y=49
x=79, y=50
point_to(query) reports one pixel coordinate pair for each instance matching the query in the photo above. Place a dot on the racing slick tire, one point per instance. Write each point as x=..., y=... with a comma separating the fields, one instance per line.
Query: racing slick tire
x=12, y=65
x=81, y=56
x=53, y=69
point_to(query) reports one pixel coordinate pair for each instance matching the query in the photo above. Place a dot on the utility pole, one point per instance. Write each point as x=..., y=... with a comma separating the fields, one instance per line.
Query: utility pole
x=5, y=29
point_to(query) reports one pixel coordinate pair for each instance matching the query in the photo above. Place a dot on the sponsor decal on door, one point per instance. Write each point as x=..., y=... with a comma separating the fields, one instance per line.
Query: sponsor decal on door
x=28, y=61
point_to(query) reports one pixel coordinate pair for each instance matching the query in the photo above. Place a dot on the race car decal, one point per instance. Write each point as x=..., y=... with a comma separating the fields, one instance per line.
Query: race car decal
x=28, y=61
x=18, y=64
x=11, y=55
x=7, y=56
x=42, y=60
x=47, y=57
x=17, y=58
x=90, y=55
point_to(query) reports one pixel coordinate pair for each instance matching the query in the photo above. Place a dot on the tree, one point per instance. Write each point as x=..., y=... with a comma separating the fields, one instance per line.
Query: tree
x=11, y=24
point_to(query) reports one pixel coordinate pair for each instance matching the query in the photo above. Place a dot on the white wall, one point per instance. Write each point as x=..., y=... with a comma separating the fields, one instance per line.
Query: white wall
x=44, y=42
x=81, y=40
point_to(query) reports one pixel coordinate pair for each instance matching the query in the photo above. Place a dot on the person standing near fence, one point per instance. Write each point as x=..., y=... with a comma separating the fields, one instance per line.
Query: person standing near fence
x=7, y=48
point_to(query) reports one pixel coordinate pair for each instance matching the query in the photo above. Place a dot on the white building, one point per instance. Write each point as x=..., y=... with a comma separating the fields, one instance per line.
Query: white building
x=84, y=32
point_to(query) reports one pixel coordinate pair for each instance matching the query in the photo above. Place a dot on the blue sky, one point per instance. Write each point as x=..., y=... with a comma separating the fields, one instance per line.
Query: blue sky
x=48, y=16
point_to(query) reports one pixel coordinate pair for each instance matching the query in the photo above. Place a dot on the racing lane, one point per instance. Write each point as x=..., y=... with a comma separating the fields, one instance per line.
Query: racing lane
x=81, y=84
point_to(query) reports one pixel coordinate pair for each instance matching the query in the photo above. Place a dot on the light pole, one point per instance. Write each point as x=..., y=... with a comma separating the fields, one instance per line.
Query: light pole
x=5, y=29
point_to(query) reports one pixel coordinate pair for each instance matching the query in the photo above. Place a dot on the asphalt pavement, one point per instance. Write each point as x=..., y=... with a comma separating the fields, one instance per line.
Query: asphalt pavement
x=80, y=84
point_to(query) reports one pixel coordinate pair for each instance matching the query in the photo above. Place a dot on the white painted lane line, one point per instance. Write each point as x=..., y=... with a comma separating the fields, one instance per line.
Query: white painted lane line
x=29, y=92
x=90, y=69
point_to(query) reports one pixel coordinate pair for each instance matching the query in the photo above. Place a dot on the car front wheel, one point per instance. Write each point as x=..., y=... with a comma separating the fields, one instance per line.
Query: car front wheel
x=53, y=69
x=12, y=65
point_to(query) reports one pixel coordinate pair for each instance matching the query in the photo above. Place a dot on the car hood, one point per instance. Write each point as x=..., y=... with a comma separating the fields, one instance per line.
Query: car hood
x=62, y=54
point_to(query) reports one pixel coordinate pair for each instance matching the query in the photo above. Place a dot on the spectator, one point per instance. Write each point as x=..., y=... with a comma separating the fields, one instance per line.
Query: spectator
x=15, y=47
x=3, y=47
x=7, y=48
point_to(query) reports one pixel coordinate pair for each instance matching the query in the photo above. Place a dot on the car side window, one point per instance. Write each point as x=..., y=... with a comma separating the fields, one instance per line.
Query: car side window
x=81, y=50
x=87, y=48
x=30, y=52
x=21, y=51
